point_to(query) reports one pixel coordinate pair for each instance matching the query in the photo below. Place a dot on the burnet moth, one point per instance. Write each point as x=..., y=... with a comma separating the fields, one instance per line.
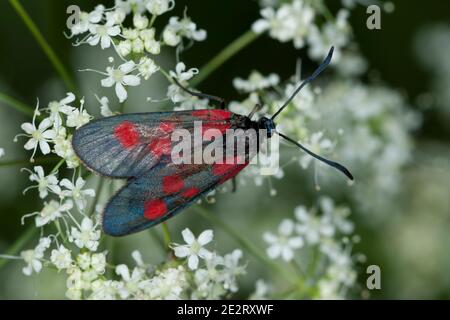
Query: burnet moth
x=138, y=147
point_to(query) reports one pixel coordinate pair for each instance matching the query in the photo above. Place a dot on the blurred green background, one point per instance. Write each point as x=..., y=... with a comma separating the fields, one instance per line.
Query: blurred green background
x=412, y=245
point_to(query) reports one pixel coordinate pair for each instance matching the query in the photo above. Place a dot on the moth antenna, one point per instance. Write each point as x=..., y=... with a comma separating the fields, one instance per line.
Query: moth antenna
x=333, y=164
x=256, y=108
x=318, y=71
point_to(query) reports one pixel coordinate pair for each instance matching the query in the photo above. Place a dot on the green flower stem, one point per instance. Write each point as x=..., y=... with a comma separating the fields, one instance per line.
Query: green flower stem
x=51, y=55
x=17, y=246
x=253, y=250
x=166, y=235
x=16, y=104
x=228, y=52
x=98, y=191
x=37, y=161
x=110, y=246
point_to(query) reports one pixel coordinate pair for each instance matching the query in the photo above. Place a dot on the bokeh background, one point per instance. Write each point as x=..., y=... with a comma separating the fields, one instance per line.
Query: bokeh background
x=410, y=242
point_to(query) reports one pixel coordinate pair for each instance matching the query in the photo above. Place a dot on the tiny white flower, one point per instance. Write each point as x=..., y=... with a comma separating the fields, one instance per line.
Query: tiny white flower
x=147, y=67
x=256, y=81
x=104, y=106
x=178, y=28
x=61, y=258
x=120, y=77
x=57, y=107
x=124, y=48
x=317, y=145
x=193, y=249
x=2, y=152
x=85, y=20
x=33, y=257
x=140, y=21
x=232, y=270
x=181, y=74
x=158, y=7
x=87, y=236
x=39, y=136
x=44, y=183
x=52, y=211
x=284, y=243
x=76, y=191
x=313, y=227
x=78, y=117
x=103, y=34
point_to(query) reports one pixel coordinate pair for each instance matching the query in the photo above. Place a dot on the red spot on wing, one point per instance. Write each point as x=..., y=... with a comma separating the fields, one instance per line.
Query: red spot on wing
x=172, y=184
x=160, y=146
x=191, y=192
x=127, y=134
x=154, y=209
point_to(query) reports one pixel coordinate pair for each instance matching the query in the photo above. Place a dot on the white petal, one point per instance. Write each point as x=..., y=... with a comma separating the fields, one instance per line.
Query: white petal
x=49, y=134
x=107, y=82
x=287, y=254
x=28, y=127
x=286, y=227
x=260, y=26
x=131, y=80
x=45, y=148
x=181, y=251
x=127, y=67
x=205, y=237
x=269, y=237
x=273, y=251
x=121, y=92
x=205, y=254
x=31, y=144
x=193, y=262
x=40, y=171
x=105, y=42
x=296, y=242
x=70, y=98
x=188, y=236
x=114, y=31
x=67, y=184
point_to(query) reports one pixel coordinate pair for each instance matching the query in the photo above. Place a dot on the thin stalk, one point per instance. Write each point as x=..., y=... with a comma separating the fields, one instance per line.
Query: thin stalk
x=166, y=235
x=39, y=160
x=16, y=104
x=51, y=55
x=15, y=248
x=228, y=52
x=98, y=191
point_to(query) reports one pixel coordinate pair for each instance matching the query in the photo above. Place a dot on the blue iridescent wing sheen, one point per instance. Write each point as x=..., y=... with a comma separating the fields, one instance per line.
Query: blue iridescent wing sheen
x=128, y=145
x=161, y=193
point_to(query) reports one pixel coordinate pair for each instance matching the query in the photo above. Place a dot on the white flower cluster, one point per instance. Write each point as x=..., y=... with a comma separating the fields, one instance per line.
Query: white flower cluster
x=295, y=21
x=321, y=232
x=53, y=130
x=137, y=45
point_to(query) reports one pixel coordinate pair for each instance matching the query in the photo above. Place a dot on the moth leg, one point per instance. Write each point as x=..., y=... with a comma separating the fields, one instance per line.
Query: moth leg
x=234, y=184
x=221, y=101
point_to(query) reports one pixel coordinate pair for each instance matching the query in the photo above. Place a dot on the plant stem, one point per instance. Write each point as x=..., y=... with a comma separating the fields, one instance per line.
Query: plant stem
x=98, y=191
x=16, y=104
x=14, y=249
x=39, y=160
x=166, y=235
x=228, y=52
x=51, y=55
